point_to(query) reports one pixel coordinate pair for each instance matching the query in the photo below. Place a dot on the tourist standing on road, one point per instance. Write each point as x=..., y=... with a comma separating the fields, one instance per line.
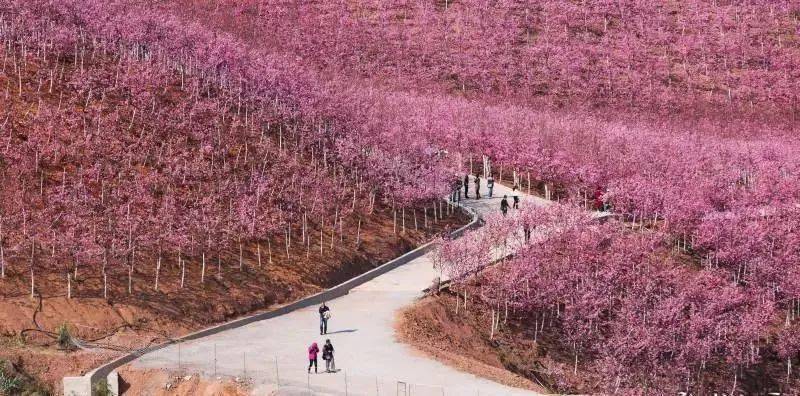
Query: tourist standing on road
x=526, y=229
x=456, y=195
x=490, y=184
x=515, y=195
x=327, y=356
x=466, y=186
x=313, y=350
x=324, y=315
x=504, y=204
x=477, y=187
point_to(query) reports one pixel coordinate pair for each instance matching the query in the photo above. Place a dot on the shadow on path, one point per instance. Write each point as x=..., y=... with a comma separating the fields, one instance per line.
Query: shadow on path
x=341, y=331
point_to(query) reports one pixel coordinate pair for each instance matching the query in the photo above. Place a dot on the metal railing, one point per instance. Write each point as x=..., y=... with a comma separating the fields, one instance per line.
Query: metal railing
x=267, y=374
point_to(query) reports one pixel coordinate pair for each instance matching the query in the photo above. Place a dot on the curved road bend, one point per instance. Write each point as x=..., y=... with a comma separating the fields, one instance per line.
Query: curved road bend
x=370, y=359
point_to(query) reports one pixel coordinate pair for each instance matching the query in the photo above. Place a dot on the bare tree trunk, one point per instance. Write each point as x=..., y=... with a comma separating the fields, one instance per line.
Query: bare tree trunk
x=491, y=335
x=258, y=250
x=2, y=254
x=33, y=255
x=158, y=269
x=132, y=259
x=183, y=268
x=358, y=233
x=287, y=245
x=203, y=269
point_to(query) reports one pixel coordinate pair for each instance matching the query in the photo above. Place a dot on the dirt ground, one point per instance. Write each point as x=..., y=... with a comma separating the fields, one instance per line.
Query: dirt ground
x=162, y=383
x=459, y=340
x=129, y=321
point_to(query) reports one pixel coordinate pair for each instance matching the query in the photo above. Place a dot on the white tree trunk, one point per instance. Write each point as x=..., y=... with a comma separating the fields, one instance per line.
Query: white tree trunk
x=203, y=269
x=183, y=272
x=158, y=270
x=358, y=233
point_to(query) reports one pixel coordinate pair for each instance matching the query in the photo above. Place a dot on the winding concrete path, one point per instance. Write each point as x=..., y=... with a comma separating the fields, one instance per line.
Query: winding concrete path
x=371, y=361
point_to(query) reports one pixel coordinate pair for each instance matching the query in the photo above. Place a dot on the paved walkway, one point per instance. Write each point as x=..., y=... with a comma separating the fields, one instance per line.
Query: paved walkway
x=371, y=361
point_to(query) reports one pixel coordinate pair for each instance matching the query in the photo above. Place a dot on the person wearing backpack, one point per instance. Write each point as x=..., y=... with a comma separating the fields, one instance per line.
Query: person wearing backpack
x=327, y=356
x=324, y=315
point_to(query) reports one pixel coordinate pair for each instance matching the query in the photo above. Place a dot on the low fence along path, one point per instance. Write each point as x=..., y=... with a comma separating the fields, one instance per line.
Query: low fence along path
x=271, y=353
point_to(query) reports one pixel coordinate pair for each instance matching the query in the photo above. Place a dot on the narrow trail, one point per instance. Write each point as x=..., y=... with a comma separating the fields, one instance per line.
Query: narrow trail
x=371, y=361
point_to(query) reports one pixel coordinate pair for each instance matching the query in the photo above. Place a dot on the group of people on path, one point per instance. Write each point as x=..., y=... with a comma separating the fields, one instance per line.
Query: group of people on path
x=504, y=205
x=327, y=356
x=504, y=201
x=464, y=184
x=327, y=349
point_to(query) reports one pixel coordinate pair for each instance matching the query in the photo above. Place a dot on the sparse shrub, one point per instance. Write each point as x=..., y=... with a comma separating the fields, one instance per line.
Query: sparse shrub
x=101, y=388
x=9, y=383
x=64, y=338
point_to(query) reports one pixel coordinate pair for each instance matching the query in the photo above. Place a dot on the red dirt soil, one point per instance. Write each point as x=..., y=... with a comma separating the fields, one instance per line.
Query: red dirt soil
x=147, y=316
x=159, y=382
x=460, y=340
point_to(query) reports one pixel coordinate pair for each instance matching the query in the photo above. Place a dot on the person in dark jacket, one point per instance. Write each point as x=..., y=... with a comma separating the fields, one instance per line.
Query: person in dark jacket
x=324, y=315
x=504, y=204
x=456, y=196
x=477, y=187
x=490, y=184
x=327, y=356
x=466, y=186
x=526, y=230
x=313, y=350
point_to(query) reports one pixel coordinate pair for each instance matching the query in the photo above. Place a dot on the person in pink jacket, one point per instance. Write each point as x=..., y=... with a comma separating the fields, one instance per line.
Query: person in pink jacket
x=313, y=350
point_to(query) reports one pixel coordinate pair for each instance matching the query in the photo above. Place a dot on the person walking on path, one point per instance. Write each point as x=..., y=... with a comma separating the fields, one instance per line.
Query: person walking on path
x=466, y=186
x=504, y=204
x=526, y=230
x=327, y=356
x=457, y=190
x=490, y=184
x=477, y=187
x=515, y=196
x=324, y=315
x=313, y=350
